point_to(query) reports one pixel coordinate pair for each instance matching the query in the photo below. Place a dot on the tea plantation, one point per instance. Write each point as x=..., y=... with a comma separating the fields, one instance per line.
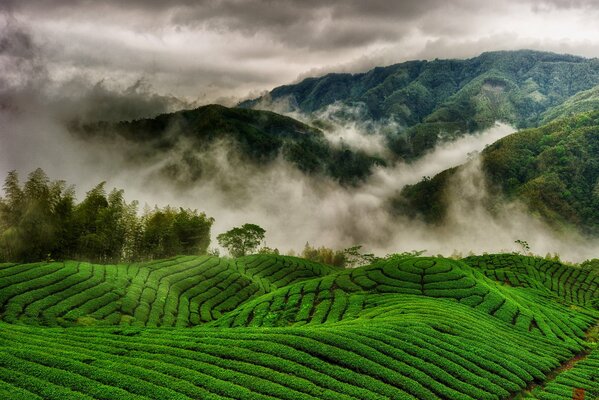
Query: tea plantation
x=275, y=327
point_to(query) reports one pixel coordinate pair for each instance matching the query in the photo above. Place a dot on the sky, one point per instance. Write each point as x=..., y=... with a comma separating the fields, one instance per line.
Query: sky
x=222, y=51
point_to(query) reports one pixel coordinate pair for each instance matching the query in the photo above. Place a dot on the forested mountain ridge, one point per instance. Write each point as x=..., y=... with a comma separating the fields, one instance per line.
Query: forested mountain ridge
x=258, y=136
x=553, y=169
x=587, y=100
x=444, y=98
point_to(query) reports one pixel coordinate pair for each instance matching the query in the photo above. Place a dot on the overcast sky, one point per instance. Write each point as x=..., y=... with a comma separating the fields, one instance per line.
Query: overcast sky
x=220, y=50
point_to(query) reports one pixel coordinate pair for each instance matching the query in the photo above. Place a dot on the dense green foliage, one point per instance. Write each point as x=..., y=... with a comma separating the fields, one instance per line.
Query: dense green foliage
x=443, y=98
x=553, y=169
x=324, y=255
x=284, y=327
x=259, y=137
x=183, y=291
x=41, y=220
x=243, y=240
x=583, y=375
x=585, y=101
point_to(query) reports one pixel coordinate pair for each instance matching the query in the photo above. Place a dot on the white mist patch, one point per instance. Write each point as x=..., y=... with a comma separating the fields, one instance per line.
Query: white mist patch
x=342, y=124
x=352, y=135
x=349, y=126
x=471, y=227
x=294, y=208
x=446, y=155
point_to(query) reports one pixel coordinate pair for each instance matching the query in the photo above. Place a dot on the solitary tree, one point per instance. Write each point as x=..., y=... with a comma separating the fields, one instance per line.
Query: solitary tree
x=242, y=240
x=524, y=246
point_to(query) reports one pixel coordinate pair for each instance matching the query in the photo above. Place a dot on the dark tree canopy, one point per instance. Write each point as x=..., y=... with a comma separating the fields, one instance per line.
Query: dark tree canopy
x=243, y=240
x=41, y=220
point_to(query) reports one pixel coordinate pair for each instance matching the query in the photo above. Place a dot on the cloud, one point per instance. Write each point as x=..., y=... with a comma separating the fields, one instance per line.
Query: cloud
x=209, y=50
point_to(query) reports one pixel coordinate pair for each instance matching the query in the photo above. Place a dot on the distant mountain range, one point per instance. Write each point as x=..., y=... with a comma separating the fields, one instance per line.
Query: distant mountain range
x=441, y=99
x=554, y=169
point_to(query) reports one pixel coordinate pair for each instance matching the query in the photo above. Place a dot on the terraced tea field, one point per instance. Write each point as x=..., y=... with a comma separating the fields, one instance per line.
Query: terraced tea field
x=264, y=327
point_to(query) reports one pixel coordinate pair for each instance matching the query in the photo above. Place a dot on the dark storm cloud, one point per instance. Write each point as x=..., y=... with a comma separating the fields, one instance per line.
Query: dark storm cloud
x=312, y=24
x=21, y=70
x=208, y=50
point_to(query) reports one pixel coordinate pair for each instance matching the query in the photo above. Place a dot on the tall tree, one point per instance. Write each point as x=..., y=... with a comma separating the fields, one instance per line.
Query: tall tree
x=41, y=220
x=33, y=217
x=242, y=240
x=167, y=232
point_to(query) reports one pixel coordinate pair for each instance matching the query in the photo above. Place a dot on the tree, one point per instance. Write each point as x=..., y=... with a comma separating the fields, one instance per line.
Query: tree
x=193, y=231
x=159, y=238
x=40, y=220
x=324, y=255
x=354, y=258
x=269, y=250
x=242, y=240
x=167, y=232
x=32, y=217
x=524, y=246
x=100, y=225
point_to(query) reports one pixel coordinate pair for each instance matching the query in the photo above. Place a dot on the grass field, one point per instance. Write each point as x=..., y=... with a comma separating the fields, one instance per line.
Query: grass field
x=264, y=327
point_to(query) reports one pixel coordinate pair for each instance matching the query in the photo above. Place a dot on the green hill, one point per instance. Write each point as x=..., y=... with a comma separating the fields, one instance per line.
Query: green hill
x=444, y=98
x=258, y=136
x=553, y=169
x=585, y=101
x=264, y=327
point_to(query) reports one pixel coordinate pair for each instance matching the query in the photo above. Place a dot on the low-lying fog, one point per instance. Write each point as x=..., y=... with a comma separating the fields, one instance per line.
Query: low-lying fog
x=292, y=207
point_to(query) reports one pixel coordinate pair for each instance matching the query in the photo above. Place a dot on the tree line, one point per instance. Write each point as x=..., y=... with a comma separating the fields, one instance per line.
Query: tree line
x=41, y=220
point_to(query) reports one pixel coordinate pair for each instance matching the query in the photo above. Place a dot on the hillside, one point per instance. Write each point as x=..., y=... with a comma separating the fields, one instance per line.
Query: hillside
x=272, y=326
x=553, y=169
x=257, y=136
x=444, y=98
x=585, y=101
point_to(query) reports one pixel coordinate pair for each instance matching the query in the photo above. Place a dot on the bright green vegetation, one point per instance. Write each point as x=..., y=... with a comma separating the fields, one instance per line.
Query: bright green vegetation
x=182, y=291
x=242, y=240
x=265, y=326
x=442, y=98
x=553, y=169
x=585, y=101
x=584, y=375
x=257, y=136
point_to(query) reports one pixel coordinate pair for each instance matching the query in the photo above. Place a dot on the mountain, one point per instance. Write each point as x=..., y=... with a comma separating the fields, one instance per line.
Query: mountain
x=587, y=100
x=440, y=99
x=264, y=326
x=258, y=136
x=553, y=169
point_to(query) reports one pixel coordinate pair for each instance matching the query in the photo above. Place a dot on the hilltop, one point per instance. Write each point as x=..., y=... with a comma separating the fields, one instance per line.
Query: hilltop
x=275, y=326
x=254, y=136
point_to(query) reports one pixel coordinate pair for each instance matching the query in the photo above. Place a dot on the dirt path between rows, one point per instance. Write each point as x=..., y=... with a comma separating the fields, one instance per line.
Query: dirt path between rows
x=564, y=366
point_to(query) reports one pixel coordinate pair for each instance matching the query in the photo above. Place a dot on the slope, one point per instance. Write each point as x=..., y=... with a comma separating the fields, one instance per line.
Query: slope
x=403, y=328
x=585, y=101
x=182, y=291
x=553, y=169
